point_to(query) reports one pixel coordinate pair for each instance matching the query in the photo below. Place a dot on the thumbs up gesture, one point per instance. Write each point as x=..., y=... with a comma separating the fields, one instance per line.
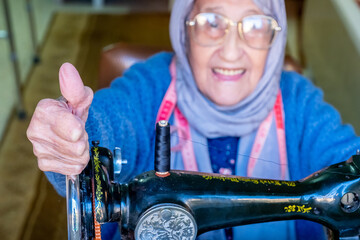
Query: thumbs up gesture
x=57, y=128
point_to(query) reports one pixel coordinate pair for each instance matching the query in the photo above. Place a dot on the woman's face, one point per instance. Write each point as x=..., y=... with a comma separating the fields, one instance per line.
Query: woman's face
x=228, y=72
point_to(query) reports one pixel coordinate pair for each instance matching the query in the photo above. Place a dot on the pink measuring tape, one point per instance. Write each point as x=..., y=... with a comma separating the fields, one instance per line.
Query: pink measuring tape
x=168, y=106
x=262, y=134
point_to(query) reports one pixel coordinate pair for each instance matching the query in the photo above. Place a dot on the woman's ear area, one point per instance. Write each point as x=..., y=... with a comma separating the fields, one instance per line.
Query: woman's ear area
x=194, y=10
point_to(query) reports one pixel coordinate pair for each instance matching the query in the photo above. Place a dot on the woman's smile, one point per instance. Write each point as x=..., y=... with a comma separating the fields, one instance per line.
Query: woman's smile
x=228, y=74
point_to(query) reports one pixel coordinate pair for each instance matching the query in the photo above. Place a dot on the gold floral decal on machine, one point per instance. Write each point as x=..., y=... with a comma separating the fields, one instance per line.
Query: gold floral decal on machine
x=297, y=208
x=98, y=192
x=255, y=181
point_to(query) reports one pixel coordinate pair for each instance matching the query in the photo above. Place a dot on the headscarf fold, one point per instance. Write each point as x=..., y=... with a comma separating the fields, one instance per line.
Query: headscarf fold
x=244, y=117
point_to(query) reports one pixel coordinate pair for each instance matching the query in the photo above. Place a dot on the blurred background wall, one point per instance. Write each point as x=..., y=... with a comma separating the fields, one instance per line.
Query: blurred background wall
x=18, y=11
x=331, y=47
x=30, y=20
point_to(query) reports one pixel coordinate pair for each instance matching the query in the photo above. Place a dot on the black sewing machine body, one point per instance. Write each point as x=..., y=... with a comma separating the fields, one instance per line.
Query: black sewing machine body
x=188, y=204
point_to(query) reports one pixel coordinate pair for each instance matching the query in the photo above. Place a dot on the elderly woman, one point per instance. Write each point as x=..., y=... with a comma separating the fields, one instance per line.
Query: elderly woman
x=233, y=109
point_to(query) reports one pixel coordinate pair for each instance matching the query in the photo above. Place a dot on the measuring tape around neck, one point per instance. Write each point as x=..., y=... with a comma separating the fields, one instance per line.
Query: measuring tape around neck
x=168, y=106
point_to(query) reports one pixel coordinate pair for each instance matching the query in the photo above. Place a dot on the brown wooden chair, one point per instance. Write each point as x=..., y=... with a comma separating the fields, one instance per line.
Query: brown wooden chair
x=116, y=58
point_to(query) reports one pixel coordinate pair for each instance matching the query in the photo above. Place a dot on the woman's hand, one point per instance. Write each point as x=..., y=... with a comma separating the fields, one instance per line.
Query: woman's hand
x=57, y=128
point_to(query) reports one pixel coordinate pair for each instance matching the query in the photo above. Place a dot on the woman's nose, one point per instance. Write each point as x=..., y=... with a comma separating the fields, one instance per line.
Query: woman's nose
x=233, y=45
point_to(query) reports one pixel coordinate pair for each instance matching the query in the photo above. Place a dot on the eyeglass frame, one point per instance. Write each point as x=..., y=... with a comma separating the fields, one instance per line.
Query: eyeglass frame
x=277, y=28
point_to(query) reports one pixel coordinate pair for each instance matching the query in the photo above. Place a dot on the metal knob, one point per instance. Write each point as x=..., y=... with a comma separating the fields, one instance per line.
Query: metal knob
x=118, y=162
x=350, y=202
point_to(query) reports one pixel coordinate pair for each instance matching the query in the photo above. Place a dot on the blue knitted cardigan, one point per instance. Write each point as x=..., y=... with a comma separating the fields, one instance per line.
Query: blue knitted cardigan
x=124, y=116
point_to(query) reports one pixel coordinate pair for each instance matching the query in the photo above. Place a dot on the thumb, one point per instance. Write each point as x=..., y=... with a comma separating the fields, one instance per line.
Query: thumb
x=72, y=88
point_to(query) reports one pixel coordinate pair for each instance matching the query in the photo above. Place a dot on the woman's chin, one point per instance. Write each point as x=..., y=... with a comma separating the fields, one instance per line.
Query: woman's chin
x=226, y=101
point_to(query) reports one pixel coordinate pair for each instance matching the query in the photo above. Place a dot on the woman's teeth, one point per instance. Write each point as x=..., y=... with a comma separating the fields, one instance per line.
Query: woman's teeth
x=229, y=72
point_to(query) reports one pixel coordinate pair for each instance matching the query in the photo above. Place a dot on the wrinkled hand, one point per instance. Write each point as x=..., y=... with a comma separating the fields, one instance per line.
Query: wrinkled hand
x=57, y=128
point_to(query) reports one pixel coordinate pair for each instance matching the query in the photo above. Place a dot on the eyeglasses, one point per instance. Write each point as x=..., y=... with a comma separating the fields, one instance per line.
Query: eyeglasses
x=210, y=29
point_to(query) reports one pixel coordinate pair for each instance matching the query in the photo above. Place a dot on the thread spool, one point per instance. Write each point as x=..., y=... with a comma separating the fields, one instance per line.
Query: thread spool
x=162, y=149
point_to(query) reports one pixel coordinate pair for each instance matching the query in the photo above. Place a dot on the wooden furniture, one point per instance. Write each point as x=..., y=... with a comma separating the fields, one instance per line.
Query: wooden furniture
x=116, y=58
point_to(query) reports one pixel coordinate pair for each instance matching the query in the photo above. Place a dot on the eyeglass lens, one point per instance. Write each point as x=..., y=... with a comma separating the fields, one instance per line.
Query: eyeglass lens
x=210, y=29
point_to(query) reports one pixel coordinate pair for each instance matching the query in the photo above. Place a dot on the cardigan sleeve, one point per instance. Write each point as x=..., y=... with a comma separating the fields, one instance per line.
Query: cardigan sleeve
x=315, y=134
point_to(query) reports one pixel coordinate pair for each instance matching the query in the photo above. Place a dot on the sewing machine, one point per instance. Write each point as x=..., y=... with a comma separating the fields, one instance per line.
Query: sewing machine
x=188, y=204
